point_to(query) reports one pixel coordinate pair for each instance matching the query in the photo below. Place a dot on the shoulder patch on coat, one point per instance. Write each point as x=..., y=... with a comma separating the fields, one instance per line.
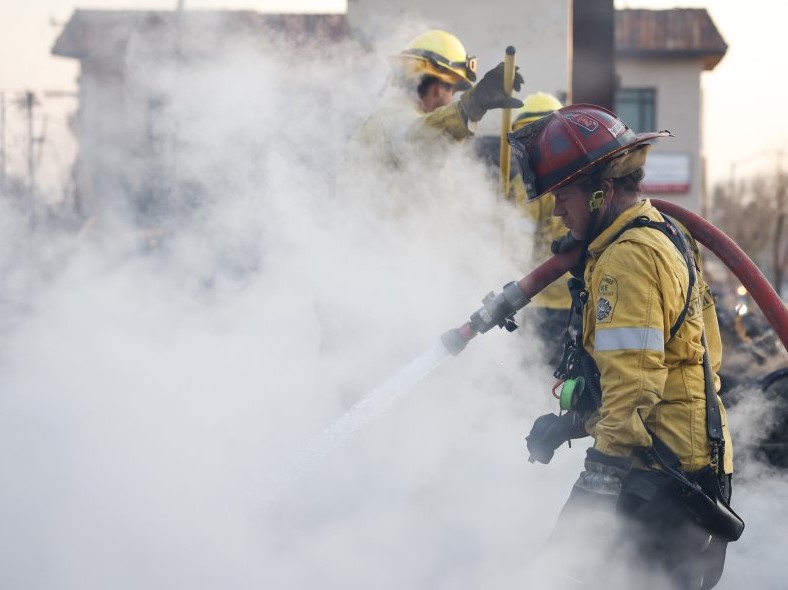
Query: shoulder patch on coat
x=608, y=297
x=699, y=304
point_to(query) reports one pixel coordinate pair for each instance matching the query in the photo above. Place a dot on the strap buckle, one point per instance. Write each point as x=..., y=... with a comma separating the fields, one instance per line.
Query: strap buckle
x=716, y=457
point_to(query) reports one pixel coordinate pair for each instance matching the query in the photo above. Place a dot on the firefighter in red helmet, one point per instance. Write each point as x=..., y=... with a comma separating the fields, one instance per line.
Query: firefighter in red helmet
x=639, y=374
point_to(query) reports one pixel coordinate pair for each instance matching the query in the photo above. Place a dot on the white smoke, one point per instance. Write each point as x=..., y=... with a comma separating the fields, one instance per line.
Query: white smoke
x=152, y=398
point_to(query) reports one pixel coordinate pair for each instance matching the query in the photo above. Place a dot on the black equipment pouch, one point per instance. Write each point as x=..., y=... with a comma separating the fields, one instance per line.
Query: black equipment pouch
x=699, y=492
x=705, y=505
x=703, y=500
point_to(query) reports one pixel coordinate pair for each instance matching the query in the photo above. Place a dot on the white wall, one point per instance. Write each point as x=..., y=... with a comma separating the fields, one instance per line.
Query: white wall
x=678, y=110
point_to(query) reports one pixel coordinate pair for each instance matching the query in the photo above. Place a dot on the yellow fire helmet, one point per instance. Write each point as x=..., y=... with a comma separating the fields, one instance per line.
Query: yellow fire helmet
x=535, y=106
x=439, y=54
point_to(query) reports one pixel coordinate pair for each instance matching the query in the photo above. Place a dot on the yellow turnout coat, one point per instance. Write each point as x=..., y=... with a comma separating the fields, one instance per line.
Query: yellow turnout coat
x=637, y=286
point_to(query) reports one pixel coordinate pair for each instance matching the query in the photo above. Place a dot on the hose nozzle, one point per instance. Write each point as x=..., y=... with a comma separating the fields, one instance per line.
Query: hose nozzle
x=456, y=339
x=498, y=310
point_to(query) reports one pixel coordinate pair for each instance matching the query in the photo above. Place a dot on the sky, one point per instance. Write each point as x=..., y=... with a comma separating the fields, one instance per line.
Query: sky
x=743, y=135
x=741, y=138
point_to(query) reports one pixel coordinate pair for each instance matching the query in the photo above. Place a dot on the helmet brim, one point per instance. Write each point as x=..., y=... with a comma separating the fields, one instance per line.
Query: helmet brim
x=641, y=140
x=416, y=66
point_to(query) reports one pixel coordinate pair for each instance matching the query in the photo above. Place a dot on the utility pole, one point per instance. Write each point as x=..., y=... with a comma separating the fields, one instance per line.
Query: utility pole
x=2, y=144
x=31, y=141
x=179, y=30
x=592, y=70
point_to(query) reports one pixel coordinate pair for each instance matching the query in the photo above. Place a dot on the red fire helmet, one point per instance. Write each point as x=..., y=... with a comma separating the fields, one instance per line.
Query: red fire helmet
x=575, y=140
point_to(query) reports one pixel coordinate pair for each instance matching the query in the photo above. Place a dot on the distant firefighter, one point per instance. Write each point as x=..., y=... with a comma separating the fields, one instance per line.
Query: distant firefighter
x=419, y=111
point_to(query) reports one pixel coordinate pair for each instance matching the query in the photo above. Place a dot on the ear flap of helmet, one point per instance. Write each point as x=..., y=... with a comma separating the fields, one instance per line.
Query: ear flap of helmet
x=628, y=162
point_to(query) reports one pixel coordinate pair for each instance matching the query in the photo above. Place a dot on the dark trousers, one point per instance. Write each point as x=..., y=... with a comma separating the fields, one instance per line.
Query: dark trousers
x=643, y=538
x=666, y=537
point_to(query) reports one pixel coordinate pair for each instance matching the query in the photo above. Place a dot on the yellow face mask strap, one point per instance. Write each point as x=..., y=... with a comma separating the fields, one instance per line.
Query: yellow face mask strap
x=595, y=203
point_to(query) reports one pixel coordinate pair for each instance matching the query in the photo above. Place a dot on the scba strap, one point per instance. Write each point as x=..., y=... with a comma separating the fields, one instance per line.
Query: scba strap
x=713, y=417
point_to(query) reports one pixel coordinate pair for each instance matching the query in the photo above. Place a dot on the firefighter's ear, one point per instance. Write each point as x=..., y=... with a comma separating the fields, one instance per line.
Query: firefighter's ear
x=608, y=190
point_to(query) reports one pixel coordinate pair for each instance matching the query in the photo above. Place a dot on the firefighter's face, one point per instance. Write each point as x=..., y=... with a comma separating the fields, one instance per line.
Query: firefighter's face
x=571, y=205
x=447, y=94
x=438, y=95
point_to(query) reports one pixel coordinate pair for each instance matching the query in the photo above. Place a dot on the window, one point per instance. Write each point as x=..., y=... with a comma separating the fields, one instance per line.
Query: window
x=637, y=108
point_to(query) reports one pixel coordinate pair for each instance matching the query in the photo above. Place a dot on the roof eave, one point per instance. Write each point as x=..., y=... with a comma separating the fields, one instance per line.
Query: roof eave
x=709, y=59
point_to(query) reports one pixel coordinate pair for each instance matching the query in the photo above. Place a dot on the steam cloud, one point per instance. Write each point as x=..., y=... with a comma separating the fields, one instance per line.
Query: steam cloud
x=150, y=397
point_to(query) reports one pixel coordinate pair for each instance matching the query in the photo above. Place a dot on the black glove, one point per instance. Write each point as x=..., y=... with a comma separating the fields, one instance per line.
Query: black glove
x=551, y=431
x=488, y=94
x=564, y=244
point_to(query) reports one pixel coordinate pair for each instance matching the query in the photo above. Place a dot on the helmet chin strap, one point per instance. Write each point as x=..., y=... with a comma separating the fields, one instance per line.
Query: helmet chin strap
x=593, y=229
x=599, y=220
x=594, y=222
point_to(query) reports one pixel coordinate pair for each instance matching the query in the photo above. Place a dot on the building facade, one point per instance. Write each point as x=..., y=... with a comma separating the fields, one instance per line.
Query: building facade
x=661, y=56
x=563, y=47
x=537, y=29
x=658, y=58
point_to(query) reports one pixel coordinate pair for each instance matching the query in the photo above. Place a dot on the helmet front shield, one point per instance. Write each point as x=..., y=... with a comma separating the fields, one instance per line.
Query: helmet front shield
x=522, y=142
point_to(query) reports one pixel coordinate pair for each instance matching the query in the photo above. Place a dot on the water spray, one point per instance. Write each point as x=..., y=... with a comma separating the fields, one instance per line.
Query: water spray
x=500, y=309
x=353, y=420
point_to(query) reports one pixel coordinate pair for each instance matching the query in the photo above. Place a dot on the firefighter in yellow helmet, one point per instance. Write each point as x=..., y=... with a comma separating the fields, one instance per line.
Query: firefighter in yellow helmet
x=551, y=306
x=420, y=111
x=640, y=375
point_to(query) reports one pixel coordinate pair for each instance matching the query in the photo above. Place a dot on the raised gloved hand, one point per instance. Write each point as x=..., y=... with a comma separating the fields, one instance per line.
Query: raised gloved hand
x=551, y=431
x=488, y=94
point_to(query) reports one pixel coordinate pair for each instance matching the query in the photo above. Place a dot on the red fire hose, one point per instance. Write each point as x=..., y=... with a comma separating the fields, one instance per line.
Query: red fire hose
x=737, y=261
x=498, y=310
x=549, y=271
